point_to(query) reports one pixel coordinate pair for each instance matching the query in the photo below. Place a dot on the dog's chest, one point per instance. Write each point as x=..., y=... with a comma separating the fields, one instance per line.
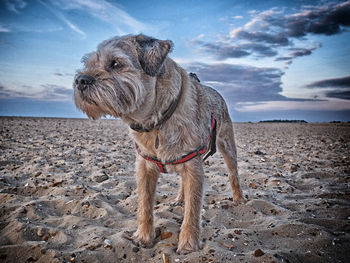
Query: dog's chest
x=149, y=142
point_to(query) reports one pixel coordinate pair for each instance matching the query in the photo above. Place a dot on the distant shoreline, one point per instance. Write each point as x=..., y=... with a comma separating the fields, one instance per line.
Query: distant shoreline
x=262, y=121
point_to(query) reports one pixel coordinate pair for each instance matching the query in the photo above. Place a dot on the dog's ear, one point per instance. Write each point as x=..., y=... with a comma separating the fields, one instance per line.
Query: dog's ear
x=152, y=53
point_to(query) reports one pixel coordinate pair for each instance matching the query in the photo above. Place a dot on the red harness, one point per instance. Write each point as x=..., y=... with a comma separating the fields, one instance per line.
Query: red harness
x=209, y=149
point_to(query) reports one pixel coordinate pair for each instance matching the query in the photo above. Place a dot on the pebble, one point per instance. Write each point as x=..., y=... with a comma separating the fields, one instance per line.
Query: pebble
x=165, y=235
x=165, y=258
x=258, y=152
x=228, y=245
x=92, y=247
x=101, y=178
x=252, y=185
x=40, y=232
x=258, y=253
x=135, y=249
x=225, y=206
x=85, y=203
x=237, y=232
x=293, y=168
x=107, y=243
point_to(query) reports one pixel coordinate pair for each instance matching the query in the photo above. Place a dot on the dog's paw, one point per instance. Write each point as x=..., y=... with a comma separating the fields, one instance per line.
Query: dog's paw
x=140, y=239
x=143, y=239
x=238, y=201
x=187, y=244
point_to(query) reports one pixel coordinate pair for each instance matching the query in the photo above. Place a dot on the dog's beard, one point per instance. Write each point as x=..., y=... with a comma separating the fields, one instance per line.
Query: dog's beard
x=115, y=96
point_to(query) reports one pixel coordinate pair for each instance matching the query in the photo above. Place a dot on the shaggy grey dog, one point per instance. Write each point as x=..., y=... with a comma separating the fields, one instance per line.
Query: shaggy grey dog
x=174, y=119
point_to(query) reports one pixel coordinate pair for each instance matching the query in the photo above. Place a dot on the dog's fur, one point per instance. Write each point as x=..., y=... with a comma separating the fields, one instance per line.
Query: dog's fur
x=133, y=78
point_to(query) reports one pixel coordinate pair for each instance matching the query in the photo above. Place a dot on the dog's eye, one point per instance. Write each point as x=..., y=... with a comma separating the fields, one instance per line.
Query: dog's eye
x=115, y=64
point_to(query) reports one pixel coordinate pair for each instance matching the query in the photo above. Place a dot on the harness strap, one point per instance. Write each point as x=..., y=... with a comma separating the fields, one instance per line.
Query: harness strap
x=208, y=149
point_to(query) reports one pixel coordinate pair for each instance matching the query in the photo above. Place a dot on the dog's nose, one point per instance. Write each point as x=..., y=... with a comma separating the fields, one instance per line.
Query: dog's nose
x=83, y=81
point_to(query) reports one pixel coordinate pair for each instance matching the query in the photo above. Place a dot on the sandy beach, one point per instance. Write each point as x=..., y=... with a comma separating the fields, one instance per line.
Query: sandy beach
x=68, y=194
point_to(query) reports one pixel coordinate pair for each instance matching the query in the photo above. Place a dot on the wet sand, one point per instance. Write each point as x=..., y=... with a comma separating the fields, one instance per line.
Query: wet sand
x=68, y=193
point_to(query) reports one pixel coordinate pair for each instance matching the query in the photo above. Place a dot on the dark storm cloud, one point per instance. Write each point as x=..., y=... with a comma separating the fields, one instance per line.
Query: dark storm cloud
x=340, y=87
x=260, y=49
x=271, y=29
x=241, y=83
x=339, y=94
x=297, y=52
x=277, y=39
x=331, y=83
x=326, y=20
x=222, y=50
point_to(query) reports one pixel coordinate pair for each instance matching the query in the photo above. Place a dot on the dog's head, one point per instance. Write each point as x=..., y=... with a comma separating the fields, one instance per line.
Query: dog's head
x=115, y=78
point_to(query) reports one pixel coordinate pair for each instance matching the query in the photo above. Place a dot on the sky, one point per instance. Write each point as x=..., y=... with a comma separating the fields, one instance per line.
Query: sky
x=269, y=59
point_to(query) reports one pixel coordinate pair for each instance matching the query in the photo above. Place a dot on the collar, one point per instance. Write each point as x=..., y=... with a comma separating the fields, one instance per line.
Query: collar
x=165, y=116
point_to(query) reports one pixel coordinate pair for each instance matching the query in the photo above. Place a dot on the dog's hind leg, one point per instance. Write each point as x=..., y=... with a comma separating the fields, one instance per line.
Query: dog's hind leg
x=227, y=147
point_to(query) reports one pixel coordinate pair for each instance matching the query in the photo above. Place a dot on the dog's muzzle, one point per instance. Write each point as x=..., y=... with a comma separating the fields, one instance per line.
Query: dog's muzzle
x=83, y=81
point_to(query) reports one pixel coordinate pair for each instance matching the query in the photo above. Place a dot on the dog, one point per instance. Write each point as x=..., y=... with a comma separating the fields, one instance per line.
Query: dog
x=174, y=120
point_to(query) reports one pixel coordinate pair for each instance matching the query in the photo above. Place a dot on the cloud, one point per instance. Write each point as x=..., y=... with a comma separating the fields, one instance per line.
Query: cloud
x=4, y=29
x=259, y=49
x=49, y=92
x=56, y=93
x=298, y=52
x=272, y=29
x=240, y=83
x=15, y=5
x=63, y=74
x=316, y=105
x=336, y=88
x=326, y=20
x=277, y=39
x=343, y=82
x=63, y=18
x=222, y=50
x=339, y=94
x=107, y=12
x=6, y=92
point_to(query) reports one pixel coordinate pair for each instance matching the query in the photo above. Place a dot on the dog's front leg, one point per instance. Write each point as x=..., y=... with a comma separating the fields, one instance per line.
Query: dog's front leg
x=147, y=175
x=192, y=176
